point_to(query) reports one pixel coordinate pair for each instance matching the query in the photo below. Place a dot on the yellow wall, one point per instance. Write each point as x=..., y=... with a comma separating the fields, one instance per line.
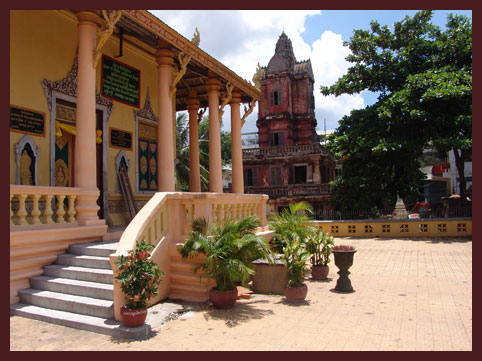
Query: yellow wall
x=393, y=228
x=43, y=45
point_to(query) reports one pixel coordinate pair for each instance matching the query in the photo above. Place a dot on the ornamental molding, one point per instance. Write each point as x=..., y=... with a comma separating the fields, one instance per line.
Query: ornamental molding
x=68, y=86
x=146, y=112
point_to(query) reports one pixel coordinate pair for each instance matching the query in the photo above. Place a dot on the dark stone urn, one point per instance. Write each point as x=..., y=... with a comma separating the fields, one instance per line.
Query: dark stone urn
x=344, y=260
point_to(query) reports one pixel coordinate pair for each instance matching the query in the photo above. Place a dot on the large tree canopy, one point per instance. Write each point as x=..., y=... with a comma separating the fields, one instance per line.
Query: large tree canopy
x=424, y=79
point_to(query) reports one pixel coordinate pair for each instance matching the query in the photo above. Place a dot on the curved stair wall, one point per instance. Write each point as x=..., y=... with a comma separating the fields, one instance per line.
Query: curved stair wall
x=165, y=221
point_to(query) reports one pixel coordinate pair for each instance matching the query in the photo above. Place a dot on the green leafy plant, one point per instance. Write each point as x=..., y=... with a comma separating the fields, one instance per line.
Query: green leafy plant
x=292, y=222
x=320, y=245
x=139, y=276
x=294, y=257
x=230, y=249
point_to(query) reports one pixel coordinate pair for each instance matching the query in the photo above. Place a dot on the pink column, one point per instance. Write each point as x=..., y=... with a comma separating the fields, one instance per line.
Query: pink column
x=215, y=164
x=194, y=168
x=165, y=150
x=236, y=151
x=85, y=165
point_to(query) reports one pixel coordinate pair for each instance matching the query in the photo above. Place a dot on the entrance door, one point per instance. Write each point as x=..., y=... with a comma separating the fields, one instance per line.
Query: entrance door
x=65, y=149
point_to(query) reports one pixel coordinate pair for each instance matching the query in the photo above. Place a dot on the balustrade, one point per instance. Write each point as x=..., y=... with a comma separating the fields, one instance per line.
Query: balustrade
x=33, y=205
x=281, y=151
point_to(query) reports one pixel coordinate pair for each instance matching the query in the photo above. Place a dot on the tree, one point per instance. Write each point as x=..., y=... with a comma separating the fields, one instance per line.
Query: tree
x=204, y=141
x=182, y=157
x=424, y=78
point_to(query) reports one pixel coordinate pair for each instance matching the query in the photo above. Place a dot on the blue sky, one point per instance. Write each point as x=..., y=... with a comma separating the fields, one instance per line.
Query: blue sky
x=241, y=39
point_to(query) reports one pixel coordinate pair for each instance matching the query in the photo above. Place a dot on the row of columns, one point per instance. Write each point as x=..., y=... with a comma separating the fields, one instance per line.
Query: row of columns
x=85, y=147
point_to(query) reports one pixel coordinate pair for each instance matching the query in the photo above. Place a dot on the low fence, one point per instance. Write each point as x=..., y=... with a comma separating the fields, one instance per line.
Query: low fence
x=435, y=211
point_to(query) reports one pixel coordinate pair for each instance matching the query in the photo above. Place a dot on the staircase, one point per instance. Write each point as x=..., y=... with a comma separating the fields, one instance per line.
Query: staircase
x=77, y=291
x=185, y=284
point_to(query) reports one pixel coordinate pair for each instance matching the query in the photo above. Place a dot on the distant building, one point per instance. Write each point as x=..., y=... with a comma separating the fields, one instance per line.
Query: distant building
x=290, y=164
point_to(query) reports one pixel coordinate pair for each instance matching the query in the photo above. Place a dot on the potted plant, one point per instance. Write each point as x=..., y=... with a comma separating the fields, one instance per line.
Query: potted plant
x=344, y=260
x=320, y=245
x=292, y=221
x=294, y=257
x=139, y=277
x=230, y=249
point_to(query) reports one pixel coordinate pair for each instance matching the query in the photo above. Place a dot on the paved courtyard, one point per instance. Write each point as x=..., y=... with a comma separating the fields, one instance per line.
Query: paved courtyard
x=410, y=294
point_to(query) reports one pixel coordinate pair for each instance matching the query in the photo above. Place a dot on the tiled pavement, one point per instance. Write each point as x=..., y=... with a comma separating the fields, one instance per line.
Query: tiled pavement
x=410, y=294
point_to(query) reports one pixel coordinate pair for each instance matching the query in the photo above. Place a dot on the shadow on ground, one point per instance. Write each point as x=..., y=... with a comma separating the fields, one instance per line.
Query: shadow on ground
x=242, y=312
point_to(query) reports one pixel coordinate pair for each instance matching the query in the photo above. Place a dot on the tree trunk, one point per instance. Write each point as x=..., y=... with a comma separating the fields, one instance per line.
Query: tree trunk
x=460, y=163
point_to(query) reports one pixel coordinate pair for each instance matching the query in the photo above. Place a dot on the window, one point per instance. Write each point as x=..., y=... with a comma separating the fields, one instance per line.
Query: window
x=251, y=177
x=300, y=174
x=147, y=157
x=276, y=139
x=276, y=178
x=276, y=98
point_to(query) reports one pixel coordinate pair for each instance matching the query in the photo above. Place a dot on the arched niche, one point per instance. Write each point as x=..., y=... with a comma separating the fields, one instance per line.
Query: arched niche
x=26, y=150
x=121, y=161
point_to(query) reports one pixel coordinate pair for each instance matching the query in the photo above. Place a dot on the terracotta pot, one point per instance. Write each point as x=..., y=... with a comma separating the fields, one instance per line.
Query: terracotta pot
x=223, y=299
x=296, y=294
x=320, y=272
x=133, y=317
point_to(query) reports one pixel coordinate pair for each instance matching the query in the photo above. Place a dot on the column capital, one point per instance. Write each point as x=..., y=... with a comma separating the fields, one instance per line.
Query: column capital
x=164, y=56
x=88, y=17
x=193, y=102
x=235, y=97
x=213, y=84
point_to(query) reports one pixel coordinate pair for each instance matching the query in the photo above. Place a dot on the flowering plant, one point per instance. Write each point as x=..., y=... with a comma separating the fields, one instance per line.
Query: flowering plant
x=139, y=276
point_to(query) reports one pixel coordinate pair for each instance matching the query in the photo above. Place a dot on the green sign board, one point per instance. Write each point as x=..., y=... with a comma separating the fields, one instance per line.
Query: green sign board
x=120, y=82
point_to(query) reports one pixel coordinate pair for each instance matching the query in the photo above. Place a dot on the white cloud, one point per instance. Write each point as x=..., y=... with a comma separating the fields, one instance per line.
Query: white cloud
x=241, y=39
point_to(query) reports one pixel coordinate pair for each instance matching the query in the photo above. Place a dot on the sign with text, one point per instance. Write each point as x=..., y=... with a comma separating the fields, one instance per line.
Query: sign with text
x=120, y=82
x=120, y=139
x=27, y=121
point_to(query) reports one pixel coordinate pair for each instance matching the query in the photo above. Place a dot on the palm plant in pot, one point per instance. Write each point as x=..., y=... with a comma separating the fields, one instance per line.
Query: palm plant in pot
x=230, y=249
x=294, y=257
x=139, y=277
x=291, y=222
x=320, y=245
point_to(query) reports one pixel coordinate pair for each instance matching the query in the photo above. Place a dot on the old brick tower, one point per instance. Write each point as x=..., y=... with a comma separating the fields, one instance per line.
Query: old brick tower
x=290, y=164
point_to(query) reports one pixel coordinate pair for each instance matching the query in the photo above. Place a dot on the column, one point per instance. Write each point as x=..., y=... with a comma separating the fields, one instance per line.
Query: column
x=236, y=150
x=85, y=168
x=165, y=150
x=194, y=167
x=215, y=164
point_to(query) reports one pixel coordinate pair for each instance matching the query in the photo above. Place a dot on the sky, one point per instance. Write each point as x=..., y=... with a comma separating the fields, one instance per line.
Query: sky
x=240, y=39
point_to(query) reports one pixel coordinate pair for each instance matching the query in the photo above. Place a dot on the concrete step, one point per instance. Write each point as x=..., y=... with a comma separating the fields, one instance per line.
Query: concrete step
x=191, y=279
x=80, y=273
x=74, y=287
x=197, y=290
x=99, y=249
x=188, y=297
x=83, y=261
x=68, y=303
x=82, y=322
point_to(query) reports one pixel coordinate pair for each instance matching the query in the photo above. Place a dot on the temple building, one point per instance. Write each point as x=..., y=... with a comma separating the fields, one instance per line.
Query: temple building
x=93, y=102
x=290, y=164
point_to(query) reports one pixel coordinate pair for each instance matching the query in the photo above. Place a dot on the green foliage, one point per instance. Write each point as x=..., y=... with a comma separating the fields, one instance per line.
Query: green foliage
x=204, y=141
x=294, y=257
x=229, y=248
x=291, y=223
x=320, y=246
x=424, y=78
x=139, y=276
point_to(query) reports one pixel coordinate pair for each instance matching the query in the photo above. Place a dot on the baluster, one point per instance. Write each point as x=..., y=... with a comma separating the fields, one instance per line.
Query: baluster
x=71, y=211
x=36, y=209
x=238, y=212
x=11, y=211
x=48, y=209
x=60, y=209
x=189, y=216
x=22, y=211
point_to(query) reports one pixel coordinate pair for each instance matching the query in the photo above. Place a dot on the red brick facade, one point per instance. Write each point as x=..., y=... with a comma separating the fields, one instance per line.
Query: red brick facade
x=290, y=164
